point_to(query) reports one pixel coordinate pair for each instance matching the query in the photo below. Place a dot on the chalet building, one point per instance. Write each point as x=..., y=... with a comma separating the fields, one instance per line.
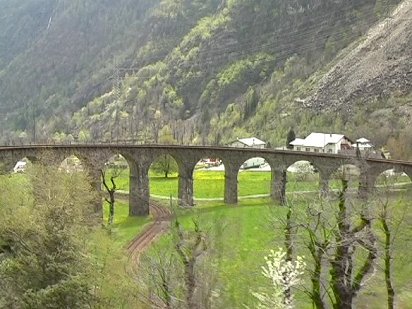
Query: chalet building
x=321, y=142
x=251, y=142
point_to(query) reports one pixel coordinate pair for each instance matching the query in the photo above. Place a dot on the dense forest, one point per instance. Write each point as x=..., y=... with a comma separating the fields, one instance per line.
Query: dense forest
x=202, y=72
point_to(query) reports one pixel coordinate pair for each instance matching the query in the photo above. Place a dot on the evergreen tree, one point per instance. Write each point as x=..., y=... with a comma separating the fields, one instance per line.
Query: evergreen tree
x=290, y=138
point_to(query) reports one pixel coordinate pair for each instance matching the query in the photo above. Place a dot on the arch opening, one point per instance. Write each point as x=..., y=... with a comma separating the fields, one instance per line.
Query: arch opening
x=117, y=168
x=164, y=176
x=22, y=165
x=209, y=179
x=346, y=172
x=393, y=180
x=71, y=164
x=254, y=178
x=302, y=178
x=114, y=182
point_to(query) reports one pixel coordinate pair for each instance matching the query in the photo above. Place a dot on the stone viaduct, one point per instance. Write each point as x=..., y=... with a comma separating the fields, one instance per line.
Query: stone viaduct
x=139, y=157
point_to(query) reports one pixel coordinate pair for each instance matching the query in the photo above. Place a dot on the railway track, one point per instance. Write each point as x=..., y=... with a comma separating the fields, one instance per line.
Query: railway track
x=141, y=242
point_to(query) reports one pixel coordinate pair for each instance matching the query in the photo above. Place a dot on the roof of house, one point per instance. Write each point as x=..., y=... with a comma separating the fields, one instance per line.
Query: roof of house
x=363, y=140
x=251, y=141
x=319, y=140
x=364, y=143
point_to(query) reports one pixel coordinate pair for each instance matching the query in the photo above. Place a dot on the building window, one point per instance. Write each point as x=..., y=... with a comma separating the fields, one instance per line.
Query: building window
x=329, y=150
x=307, y=149
x=316, y=150
x=298, y=148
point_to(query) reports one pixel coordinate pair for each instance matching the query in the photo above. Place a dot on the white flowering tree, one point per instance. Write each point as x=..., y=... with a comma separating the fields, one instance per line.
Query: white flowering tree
x=284, y=275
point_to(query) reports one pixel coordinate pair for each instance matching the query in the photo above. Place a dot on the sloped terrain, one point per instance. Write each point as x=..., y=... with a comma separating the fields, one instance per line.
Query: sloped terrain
x=192, y=71
x=377, y=68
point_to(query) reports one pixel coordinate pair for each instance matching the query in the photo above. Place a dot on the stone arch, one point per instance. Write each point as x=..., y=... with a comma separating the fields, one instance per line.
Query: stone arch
x=93, y=162
x=186, y=166
x=255, y=176
x=116, y=169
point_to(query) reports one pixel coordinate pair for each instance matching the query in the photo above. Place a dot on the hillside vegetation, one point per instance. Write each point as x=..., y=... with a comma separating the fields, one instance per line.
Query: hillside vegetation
x=202, y=71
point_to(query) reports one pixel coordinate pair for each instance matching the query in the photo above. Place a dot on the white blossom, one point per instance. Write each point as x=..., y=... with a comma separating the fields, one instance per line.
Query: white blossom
x=284, y=275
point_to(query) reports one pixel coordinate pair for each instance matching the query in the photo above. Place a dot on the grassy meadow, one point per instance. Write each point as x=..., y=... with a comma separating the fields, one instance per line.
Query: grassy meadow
x=125, y=228
x=247, y=232
x=241, y=236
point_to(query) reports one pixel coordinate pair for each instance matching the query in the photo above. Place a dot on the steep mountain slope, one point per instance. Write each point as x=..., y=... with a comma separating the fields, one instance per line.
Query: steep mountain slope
x=200, y=90
x=58, y=55
x=31, y=16
x=191, y=70
x=377, y=68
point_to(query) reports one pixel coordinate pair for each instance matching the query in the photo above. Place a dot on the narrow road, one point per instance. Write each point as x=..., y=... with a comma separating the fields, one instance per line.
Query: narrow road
x=141, y=242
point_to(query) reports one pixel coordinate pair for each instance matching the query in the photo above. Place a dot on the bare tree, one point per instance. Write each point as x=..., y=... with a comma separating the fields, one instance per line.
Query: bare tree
x=344, y=283
x=333, y=238
x=190, y=248
x=180, y=275
x=383, y=219
x=111, y=189
x=390, y=225
x=158, y=274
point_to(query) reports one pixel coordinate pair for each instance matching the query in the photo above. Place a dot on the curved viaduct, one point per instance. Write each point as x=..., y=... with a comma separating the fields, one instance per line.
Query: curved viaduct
x=139, y=157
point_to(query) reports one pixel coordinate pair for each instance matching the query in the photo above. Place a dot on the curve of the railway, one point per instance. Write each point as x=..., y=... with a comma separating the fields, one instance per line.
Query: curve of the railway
x=162, y=217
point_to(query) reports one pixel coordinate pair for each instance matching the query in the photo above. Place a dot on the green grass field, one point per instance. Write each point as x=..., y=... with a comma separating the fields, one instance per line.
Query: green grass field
x=248, y=231
x=125, y=228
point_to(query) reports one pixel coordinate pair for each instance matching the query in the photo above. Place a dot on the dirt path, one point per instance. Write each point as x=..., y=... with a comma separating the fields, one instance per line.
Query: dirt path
x=141, y=242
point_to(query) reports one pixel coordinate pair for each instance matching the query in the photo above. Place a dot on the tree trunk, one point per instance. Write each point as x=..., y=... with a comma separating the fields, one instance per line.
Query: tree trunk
x=387, y=258
x=317, y=252
x=283, y=188
x=341, y=263
x=190, y=278
x=288, y=244
x=111, y=207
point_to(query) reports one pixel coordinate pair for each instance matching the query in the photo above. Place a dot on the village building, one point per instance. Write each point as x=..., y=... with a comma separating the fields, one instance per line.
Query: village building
x=251, y=142
x=322, y=142
x=363, y=144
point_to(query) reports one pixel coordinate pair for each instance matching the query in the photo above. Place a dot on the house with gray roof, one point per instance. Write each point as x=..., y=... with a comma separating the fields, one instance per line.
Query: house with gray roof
x=322, y=142
x=251, y=142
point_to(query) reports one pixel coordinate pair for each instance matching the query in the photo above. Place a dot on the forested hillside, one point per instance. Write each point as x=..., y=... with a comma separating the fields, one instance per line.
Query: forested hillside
x=184, y=71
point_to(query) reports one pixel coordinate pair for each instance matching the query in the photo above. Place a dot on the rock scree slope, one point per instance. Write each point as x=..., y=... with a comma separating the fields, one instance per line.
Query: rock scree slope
x=380, y=66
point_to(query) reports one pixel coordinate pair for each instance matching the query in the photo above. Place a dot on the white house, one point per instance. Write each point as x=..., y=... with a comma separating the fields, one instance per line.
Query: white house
x=322, y=142
x=20, y=167
x=363, y=144
x=251, y=142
